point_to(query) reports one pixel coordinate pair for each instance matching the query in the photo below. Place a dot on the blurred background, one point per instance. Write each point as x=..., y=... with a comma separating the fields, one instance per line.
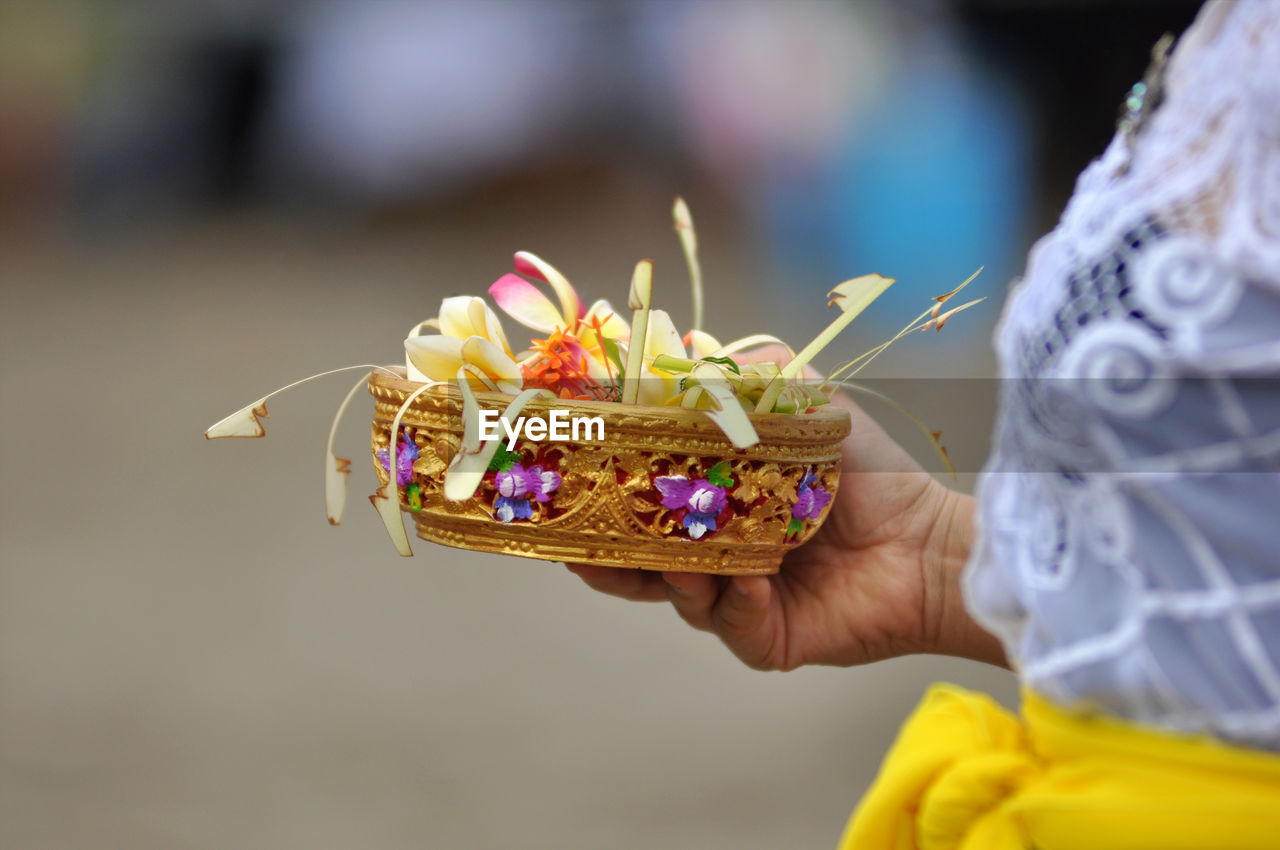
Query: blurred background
x=200, y=201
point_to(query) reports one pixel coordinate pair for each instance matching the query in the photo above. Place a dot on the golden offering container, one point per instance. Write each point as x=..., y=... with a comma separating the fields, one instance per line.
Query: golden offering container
x=607, y=509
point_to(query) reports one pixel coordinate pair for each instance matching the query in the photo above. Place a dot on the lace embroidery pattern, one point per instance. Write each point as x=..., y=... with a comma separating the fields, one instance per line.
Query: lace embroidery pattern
x=1129, y=548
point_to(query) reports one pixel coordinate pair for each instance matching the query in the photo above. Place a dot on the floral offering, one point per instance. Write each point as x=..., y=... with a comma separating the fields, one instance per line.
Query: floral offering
x=607, y=362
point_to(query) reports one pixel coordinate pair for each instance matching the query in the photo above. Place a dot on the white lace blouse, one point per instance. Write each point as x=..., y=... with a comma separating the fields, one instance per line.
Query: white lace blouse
x=1129, y=545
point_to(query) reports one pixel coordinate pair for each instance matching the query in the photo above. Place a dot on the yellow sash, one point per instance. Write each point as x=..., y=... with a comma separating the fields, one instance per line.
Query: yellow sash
x=965, y=774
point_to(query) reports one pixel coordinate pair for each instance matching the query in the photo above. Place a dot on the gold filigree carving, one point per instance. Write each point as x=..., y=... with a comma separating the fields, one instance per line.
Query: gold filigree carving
x=607, y=509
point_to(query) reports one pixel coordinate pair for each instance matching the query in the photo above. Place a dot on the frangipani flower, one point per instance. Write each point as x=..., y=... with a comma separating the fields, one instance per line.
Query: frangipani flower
x=611, y=324
x=438, y=358
x=465, y=316
x=573, y=360
x=525, y=303
x=701, y=344
x=471, y=335
x=659, y=385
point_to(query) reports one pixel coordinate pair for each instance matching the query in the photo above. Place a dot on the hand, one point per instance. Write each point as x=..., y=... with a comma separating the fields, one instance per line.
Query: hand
x=879, y=579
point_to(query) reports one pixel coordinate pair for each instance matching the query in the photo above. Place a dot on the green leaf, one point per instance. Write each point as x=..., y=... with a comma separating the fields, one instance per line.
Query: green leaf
x=727, y=362
x=503, y=459
x=668, y=363
x=614, y=353
x=719, y=475
x=794, y=527
x=413, y=495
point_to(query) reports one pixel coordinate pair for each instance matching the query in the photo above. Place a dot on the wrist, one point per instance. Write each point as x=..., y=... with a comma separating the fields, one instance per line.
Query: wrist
x=946, y=625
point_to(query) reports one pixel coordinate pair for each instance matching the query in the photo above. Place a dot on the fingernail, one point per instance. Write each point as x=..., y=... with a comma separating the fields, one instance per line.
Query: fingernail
x=740, y=589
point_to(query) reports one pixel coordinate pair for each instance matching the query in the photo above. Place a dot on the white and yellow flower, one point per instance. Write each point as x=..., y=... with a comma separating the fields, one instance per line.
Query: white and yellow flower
x=470, y=335
x=657, y=386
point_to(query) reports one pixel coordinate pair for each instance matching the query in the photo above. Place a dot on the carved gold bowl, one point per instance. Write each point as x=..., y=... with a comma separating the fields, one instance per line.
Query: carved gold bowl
x=607, y=508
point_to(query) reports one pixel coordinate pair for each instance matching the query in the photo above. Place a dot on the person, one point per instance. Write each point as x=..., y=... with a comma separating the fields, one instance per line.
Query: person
x=1121, y=551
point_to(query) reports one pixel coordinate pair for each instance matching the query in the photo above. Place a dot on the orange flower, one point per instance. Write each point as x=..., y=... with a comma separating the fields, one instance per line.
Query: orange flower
x=562, y=364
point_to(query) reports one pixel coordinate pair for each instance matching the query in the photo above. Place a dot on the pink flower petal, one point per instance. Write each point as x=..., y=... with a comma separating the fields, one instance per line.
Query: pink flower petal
x=570, y=304
x=528, y=269
x=522, y=301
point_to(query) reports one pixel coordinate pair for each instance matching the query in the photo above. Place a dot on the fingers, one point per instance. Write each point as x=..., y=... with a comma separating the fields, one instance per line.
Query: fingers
x=693, y=595
x=736, y=610
x=636, y=585
x=741, y=619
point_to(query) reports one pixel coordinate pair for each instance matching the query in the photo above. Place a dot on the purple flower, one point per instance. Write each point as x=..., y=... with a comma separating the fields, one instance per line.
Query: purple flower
x=698, y=496
x=811, y=497
x=406, y=454
x=543, y=482
x=703, y=501
x=512, y=483
x=516, y=484
x=512, y=509
x=699, y=524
